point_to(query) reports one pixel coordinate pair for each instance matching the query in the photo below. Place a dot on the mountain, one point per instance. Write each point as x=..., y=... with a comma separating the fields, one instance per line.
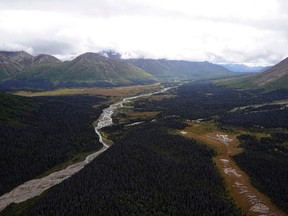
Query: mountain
x=14, y=63
x=89, y=69
x=275, y=77
x=94, y=68
x=45, y=59
x=173, y=69
x=112, y=54
x=106, y=68
x=177, y=69
x=244, y=68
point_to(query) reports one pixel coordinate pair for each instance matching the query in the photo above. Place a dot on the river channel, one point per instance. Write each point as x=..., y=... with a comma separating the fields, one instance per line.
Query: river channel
x=36, y=187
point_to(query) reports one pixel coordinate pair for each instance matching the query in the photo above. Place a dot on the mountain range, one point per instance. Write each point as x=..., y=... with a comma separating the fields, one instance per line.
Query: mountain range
x=177, y=69
x=245, y=68
x=275, y=77
x=174, y=69
x=20, y=70
x=13, y=63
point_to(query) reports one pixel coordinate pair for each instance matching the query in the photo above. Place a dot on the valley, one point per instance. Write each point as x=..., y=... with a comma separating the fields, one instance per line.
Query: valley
x=194, y=146
x=149, y=108
x=198, y=117
x=35, y=187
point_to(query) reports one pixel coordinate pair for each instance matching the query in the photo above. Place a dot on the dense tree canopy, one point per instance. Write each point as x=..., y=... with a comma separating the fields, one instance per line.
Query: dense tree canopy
x=54, y=131
x=146, y=172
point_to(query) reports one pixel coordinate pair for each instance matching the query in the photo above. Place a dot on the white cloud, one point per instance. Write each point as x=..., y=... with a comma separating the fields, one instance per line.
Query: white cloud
x=249, y=31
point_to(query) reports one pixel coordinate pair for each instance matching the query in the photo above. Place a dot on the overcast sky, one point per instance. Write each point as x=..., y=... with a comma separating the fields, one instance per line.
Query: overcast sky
x=234, y=31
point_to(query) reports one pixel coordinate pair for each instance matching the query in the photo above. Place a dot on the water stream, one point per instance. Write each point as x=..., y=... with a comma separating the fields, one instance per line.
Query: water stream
x=36, y=187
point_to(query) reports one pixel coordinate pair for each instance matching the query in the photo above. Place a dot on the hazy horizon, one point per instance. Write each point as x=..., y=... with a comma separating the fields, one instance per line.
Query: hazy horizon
x=252, y=32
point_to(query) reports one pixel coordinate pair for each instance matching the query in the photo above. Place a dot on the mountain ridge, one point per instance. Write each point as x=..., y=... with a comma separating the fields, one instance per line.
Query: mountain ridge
x=275, y=77
x=171, y=69
x=245, y=68
x=105, y=68
x=13, y=63
x=88, y=69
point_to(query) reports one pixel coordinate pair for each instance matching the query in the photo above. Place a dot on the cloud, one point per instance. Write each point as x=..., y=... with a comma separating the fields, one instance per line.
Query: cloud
x=101, y=8
x=224, y=30
x=49, y=47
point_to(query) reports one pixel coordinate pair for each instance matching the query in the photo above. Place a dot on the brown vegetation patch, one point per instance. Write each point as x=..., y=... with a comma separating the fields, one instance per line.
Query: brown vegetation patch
x=237, y=182
x=112, y=91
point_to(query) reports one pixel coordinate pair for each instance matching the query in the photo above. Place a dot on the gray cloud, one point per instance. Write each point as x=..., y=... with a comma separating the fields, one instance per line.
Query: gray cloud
x=102, y=8
x=49, y=47
x=145, y=28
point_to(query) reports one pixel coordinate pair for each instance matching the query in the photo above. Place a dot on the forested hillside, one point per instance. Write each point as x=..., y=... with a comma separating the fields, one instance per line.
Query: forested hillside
x=39, y=133
x=146, y=172
x=205, y=100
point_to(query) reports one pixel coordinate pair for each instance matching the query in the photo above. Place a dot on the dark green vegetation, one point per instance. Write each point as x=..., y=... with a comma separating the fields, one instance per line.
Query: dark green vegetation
x=274, y=78
x=205, y=100
x=265, y=161
x=151, y=172
x=40, y=133
x=172, y=69
x=269, y=116
x=13, y=108
x=146, y=172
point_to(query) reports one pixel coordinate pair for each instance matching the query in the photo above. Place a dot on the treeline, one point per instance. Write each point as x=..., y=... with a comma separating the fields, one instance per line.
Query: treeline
x=269, y=117
x=54, y=131
x=146, y=172
x=205, y=100
x=265, y=161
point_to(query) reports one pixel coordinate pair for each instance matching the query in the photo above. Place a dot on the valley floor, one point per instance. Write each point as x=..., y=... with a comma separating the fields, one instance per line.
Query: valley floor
x=181, y=153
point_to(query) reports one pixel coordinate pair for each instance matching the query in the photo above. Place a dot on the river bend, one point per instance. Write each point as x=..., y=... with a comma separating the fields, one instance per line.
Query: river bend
x=36, y=187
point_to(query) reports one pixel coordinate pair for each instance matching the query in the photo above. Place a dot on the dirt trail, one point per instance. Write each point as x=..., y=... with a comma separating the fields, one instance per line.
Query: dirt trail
x=245, y=195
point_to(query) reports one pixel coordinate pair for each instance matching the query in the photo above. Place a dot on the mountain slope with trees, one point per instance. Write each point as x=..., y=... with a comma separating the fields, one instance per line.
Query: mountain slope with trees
x=40, y=133
x=146, y=172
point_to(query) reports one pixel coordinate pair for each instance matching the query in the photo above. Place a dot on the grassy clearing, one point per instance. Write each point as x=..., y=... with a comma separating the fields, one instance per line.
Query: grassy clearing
x=113, y=92
x=205, y=133
x=142, y=115
x=241, y=83
x=161, y=97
